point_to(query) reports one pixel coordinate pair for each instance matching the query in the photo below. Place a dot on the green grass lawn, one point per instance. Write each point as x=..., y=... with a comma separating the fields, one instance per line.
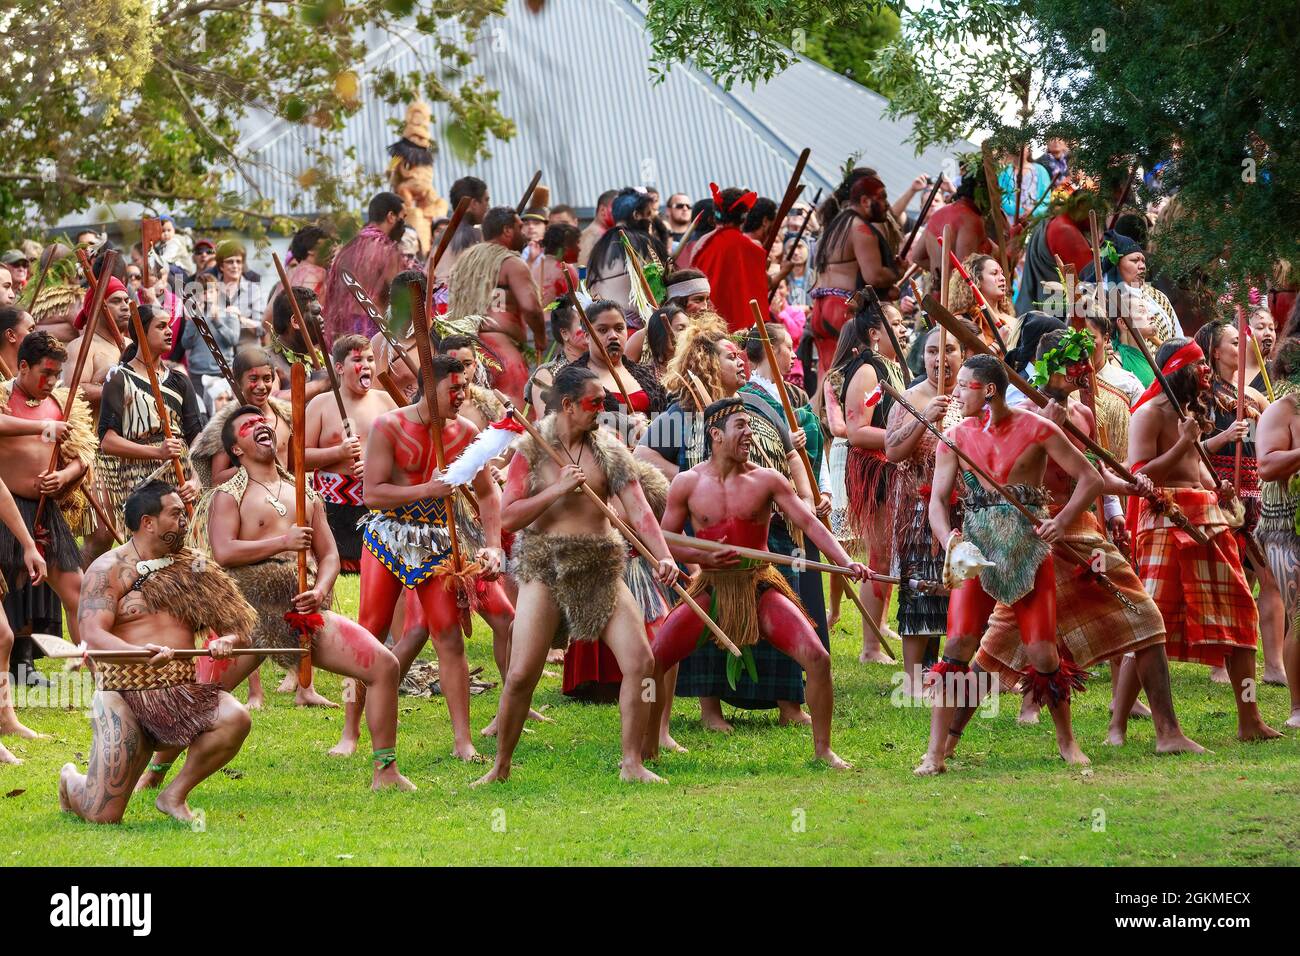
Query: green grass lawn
x=751, y=798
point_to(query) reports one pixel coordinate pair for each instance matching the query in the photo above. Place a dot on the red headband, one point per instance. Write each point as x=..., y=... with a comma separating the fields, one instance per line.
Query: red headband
x=1189, y=354
x=744, y=201
x=114, y=285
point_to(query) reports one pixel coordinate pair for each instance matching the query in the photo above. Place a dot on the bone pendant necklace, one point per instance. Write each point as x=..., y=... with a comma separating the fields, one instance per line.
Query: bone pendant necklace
x=273, y=500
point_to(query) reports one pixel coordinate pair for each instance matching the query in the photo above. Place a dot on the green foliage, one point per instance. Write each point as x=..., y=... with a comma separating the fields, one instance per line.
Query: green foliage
x=849, y=49
x=132, y=101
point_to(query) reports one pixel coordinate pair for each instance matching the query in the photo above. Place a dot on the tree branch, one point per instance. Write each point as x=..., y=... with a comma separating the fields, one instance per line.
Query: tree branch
x=207, y=130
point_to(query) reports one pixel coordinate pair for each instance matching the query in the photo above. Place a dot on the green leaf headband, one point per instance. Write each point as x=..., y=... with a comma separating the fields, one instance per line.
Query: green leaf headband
x=1075, y=347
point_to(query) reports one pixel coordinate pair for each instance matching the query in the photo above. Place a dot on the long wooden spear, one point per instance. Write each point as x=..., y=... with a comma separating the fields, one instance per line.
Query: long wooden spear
x=916, y=226
x=973, y=343
x=1242, y=333
x=92, y=284
x=46, y=260
x=195, y=315
x=686, y=237
x=1062, y=547
x=945, y=267
x=792, y=191
x=528, y=193
x=461, y=208
x=623, y=527
x=146, y=356
x=56, y=648
x=298, y=398
x=88, y=334
x=595, y=340
x=798, y=236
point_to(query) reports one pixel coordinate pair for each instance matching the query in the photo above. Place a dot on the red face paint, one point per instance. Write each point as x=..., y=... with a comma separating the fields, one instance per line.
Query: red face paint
x=591, y=403
x=249, y=424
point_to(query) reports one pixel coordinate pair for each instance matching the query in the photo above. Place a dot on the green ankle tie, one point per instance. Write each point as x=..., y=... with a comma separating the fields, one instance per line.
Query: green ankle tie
x=385, y=758
x=160, y=767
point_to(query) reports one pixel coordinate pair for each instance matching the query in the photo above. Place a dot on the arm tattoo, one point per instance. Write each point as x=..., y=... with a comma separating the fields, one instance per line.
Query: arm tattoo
x=904, y=433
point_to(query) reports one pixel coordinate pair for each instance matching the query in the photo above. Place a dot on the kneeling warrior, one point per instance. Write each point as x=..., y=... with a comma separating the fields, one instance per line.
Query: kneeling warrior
x=154, y=596
x=729, y=500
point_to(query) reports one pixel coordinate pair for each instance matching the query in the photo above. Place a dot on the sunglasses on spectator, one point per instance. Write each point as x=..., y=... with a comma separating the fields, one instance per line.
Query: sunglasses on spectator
x=680, y=205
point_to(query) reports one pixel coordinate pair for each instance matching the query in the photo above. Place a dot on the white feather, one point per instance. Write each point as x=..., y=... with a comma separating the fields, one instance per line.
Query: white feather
x=490, y=443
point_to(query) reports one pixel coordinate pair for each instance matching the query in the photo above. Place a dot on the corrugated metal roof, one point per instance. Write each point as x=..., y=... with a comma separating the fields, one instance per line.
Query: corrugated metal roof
x=574, y=79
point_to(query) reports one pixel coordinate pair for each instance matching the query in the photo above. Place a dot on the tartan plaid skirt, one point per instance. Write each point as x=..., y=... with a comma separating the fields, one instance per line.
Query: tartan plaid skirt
x=1091, y=626
x=1200, y=589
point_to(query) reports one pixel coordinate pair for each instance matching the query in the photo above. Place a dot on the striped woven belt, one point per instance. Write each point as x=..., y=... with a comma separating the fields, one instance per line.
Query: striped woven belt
x=142, y=676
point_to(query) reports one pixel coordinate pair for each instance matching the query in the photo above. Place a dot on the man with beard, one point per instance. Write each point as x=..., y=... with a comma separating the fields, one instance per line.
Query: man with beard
x=491, y=281
x=1200, y=589
x=468, y=233
x=852, y=253
x=153, y=596
x=407, y=544
x=373, y=259
x=736, y=265
x=104, y=353
x=569, y=563
x=728, y=499
x=335, y=457
x=679, y=216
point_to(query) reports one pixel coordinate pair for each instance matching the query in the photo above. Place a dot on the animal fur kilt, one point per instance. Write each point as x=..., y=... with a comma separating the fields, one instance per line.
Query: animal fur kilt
x=270, y=587
x=1279, y=538
x=1200, y=589
x=1005, y=537
x=584, y=572
x=344, y=507
x=172, y=706
x=1091, y=626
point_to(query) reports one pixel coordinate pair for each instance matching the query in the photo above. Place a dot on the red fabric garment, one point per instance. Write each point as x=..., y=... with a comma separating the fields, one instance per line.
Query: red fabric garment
x=373, y=259
x=1066, y=239
x=640, y=400
x=114, y=285
x=737, y=269
x=958, y=214
x=591, y=671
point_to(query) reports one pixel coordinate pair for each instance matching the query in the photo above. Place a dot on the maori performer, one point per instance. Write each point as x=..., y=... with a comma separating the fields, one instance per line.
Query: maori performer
x=153, y=595
x=569, y=335
x=1015, y=447
x=481, y=407
x=863, y=358
x=33, y=565
x=492, y=281
x=388, y=358
x=336, y=459
x=104, y=353
x=569, y=563
x=607, y=357
x=922, y=617
x=610, y=272
x=1200, y=589
x=131, y=439
x=734, y=264
x=1091, y=626
x=728, y=499
x=255, y=373
x=24, y=460
x=1278, y=444
x=853, y=252
x=1219, y=341
x=407, y=544
x=373, y=257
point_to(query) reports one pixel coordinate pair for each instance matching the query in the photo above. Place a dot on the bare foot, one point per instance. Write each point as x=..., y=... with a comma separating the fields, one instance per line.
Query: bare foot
x=150, y=780
x=1179, y=745
x=12, y=728
x=492, y=776
x=288, y=685
x=1220, y=675
x=877, y=656
x=832, y=621
x=176, y=809
x=950, y=747
x=930, y=766
x=555, y=656
x=793, y=715
x=666, y=742
x=307, y=697
x=1072, y=754
x=256, y=701
x=718, y=724
x=638, y=774
x=1275, y=676
x=1257, y=730
x=7, y=757
x=1115, y=737
x=1029, y=711
x=344, y=748
x=390, y=779
x=65, y=779
x=1139, y=710
x=491, y=729
x=833, y=760
x=466, y=752
x=1294, y=719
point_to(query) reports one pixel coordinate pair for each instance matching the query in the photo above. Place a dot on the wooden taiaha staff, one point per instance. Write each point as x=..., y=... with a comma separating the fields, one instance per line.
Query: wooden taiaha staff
x=595, y=340
x=88, y=333
x=386, y=382
x=46, y=260
x=907, y=274
x=798, y=237
x=296, y=313
x=1242, y=333
x=945, y=268
x=792, y=191
x=973, y=343
x=981, y=303
x=195, y=315
x=1064, y=548
x=916, y=226
x=686, y=237
x=146, y=356
x=1077, y=321
x=995, y=209
x=461, y=208
x=92, y=284
x=181, y=654
x=298, y=440
x=373, y=313
x=793, y=424
x=528, y=193
x=623, y=527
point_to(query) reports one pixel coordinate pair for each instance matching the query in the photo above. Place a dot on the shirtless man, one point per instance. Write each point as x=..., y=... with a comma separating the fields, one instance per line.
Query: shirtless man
x=25, y=458
x=1201, y=589
x=1014, y=446
x=336, y=458
x=569, y=563
x=490, y=279
x=152, y=595
x=406, y=544
x=104, y=354
x=853, y=251
x=728, y=499
x=481, y=406
x=405, y=285
x=252, y=534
